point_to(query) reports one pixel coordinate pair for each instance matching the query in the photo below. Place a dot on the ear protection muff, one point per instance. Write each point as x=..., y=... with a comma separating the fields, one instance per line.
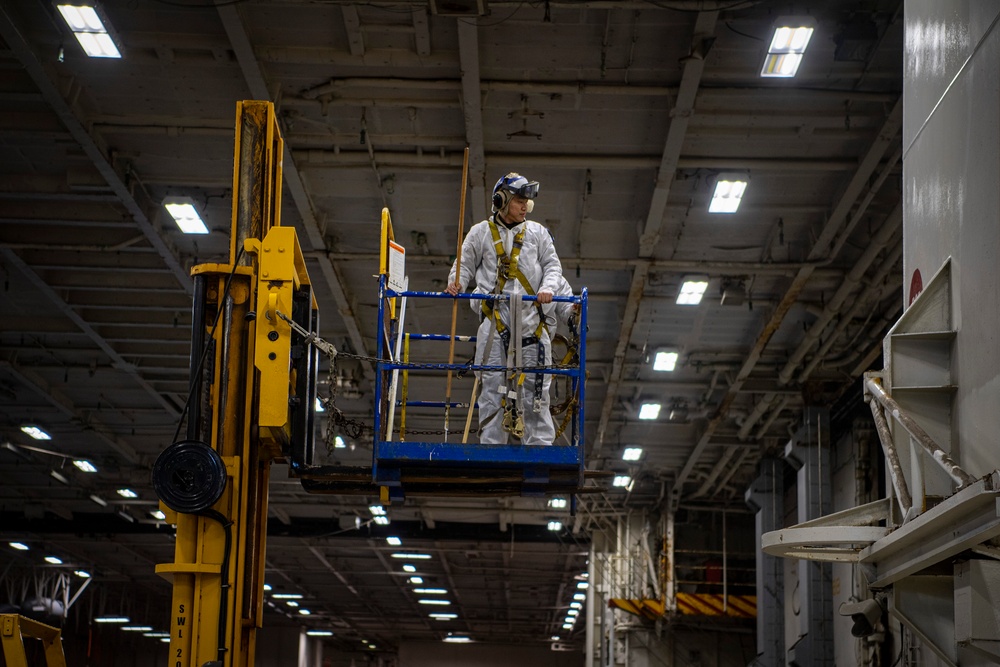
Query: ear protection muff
x=498, y=200
x=531, y=205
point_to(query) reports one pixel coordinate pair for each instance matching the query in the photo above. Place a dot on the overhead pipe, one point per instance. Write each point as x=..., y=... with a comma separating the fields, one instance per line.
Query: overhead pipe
x=339, y=85
x=314, y=158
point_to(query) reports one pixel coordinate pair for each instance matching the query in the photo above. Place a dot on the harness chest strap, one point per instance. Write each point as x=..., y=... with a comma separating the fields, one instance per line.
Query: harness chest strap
x=503, y=274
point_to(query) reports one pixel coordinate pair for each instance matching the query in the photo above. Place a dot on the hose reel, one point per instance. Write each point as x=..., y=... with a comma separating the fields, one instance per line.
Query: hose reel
x=189, y=476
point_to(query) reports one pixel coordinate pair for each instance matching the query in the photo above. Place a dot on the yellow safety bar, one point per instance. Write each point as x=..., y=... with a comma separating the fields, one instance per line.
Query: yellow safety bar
x=383, y=254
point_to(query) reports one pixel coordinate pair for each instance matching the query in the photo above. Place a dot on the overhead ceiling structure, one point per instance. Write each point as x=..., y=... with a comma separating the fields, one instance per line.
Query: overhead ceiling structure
x=627, y=113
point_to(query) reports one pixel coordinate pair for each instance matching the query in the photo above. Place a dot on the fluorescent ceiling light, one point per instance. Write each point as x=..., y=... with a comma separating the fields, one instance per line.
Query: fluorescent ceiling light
x=567, y=626
x=35, y=432
x=83, y=574
x=409, y=568
x=569, y=620
x=53, y=560
x=84, y=465
x=137, y=628
x=579, y=596
x=182, y=210
x=664, y=361
x=319, y=633
x=582, y=585
x=649, y=411
x=156, y=635
x=339, y=443
x=287, y=596
x=382, y=521
x=557, y=503
x=416, y=580
x=576, y=605
x=433, y=601
x=692, y=289
x=632, y=454
x=554, y=638
x=729, y=191
x=555, y=525
x=111, y=619
x=376, y=510
x=90, y=30
x=441, y=616
x=19, y=546
x=781, y=65
x=789, y=42
x=319, y=405
x=621, y=480
x=393, y=541
x=291, y=603
x=305, y=612
x=157, y=514
x=127, y=493
x=413, y=556
x=430, y=591
x=267, y=587
x=457, y=640
x=573, y=612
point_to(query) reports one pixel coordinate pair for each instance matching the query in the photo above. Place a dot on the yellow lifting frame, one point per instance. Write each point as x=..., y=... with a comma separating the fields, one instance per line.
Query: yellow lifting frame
x=282, y=270
x=14, y=628
x=218, y=569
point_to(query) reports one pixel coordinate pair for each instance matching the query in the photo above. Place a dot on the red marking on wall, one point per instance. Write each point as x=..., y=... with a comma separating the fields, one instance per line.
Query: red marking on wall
x=916, y=286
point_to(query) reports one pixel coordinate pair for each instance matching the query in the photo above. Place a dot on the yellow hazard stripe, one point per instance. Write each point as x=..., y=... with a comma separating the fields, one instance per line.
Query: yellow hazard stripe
x=706, y=604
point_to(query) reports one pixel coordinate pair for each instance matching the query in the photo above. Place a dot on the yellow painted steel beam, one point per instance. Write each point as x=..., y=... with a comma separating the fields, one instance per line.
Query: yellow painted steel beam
x=282, y=271
x=218, y=569
x=15, y=628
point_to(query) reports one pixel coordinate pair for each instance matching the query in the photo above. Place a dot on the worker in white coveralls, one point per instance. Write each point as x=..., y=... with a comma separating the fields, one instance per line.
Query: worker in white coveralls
x=507, y=254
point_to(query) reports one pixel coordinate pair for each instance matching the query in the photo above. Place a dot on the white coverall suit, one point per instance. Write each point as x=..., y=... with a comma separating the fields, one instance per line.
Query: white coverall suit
x=540, y=265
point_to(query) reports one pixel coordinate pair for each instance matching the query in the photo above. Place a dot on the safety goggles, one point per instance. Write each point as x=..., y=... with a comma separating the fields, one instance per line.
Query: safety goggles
x=524, y=189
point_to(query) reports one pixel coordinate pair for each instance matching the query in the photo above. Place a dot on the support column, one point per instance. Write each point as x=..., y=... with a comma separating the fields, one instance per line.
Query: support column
x=809, y=453
x=765, y=497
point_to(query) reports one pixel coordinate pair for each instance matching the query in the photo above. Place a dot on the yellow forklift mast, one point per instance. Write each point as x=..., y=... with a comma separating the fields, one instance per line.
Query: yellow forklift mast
x=248, y=404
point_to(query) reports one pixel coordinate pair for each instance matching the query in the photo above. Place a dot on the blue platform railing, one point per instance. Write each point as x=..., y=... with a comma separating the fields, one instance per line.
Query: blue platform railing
x=534, y=465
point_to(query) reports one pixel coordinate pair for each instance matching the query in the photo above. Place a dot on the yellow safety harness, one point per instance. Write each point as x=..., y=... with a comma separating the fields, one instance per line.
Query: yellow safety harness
x=507, y=268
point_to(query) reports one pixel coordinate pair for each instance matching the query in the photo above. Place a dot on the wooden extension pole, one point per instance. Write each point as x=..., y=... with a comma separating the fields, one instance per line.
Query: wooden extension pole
x=458, y=279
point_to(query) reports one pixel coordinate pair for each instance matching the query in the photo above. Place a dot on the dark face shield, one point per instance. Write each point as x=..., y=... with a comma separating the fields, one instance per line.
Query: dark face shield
x=526, y=190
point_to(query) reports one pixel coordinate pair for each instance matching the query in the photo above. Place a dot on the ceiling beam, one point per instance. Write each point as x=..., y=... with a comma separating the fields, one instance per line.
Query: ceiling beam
x=119, y=362
x=468, y=57
x=123, y=187
x=352, y=25
x=694, y=65
x=61, y=402
x=311, y=227
x=828, y=237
